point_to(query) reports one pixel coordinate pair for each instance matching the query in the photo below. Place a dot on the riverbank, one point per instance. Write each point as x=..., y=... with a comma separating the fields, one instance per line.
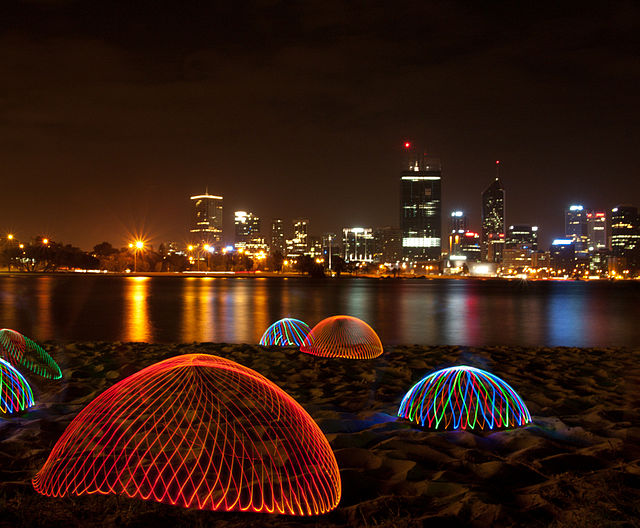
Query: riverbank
x=576, y=465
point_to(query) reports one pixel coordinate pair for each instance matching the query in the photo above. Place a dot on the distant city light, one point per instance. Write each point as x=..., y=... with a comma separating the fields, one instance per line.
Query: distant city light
x=139, y=244
x=561, y=242
x=497, y=162
x=45, y=241
x=407, y=144
x=457, y=213
x=10, y=236
x=576, y=208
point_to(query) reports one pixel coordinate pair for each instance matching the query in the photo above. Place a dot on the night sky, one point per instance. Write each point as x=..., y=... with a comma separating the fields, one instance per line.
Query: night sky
x=111, y=117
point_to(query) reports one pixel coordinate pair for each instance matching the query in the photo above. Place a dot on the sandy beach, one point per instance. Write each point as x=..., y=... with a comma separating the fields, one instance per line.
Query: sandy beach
x=577, y=464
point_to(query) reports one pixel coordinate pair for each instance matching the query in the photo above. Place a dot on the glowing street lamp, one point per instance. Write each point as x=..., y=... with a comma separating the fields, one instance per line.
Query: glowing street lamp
x=9, y=236
x=136, y=246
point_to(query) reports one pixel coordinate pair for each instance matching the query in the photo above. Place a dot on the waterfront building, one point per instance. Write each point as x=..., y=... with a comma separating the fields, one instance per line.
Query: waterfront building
x=493, y=206
x=625, y=237
x=314, y=247
x=420, y=207
x=465, y=246
x=540, y=259
x=206, y=219
x=575, y=227
x=563, y=256
x=277, y=236
x=357, y=244
x=458, y=223
x=596, y=230
x=299, y=244
x=514, y=258
x=387, y=242
x=247, y=227
x=522, y=236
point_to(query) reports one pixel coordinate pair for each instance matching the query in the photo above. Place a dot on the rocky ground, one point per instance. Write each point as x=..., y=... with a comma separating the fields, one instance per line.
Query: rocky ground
x=578, y=464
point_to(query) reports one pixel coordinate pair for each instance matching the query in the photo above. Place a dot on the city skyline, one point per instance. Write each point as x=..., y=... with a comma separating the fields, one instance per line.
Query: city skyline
x=302, y=112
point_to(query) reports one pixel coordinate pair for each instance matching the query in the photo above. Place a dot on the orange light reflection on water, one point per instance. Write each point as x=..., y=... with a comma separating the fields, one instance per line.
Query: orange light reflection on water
x=137, y=326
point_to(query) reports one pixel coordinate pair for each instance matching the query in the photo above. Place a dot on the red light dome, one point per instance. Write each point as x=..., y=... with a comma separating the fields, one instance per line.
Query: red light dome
x=343, y=336
x=197, y=431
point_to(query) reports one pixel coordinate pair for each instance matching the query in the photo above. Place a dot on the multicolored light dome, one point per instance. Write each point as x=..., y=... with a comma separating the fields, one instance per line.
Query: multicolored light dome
x=15, y=392
x=197, y=431
x=19, y=350
x=343, y=336
x=464, y=398
x=285, y=332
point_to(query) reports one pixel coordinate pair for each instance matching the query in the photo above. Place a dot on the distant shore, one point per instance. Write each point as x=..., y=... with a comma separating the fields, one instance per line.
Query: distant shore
x=272, y=274
x=576, y=465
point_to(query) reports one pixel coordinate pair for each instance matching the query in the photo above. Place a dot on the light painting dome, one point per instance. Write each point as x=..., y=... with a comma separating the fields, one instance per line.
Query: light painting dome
x=19, y=350
x=343, y=336
x=464, y=398
x=197, y=431
x=285, y=332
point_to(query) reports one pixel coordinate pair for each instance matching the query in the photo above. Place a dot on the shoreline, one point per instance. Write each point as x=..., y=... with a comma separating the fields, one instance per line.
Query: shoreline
x=577, y=464
x=289, y=275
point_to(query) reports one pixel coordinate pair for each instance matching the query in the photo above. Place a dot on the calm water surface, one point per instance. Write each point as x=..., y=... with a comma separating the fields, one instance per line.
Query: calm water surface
x=448, y=312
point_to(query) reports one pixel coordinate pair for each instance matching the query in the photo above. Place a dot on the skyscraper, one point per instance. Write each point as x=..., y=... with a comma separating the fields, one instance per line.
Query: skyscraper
x=575, y=227
x=206, y=223
x=357, y=244
x=277, y=235
x=522, y=237
x=247, y=226
x=493, y=204
x=300, y=243
x=625, y=231
x=420, y=206
x=458, y=222
x=597, y=230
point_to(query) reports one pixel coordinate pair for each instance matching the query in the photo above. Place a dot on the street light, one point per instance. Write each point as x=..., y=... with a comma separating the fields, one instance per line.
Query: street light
x=136, y=246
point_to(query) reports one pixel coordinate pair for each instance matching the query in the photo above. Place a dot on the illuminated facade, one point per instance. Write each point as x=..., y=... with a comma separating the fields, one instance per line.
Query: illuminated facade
x=563, y=255
x=458, y=222
x=522, y=237
x=357, y=244
x=247, y=226
x=597, y=230
x=493, y=203
x=625, y=236
x=575, y=227
x=206, y=224
x=420, y=207
x=465, y=245
x=300, y=241
x=277, y=235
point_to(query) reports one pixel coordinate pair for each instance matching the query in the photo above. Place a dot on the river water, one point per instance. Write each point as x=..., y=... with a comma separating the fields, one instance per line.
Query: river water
x=238, y=310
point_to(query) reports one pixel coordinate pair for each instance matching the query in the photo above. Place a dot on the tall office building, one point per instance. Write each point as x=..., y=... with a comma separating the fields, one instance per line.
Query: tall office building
x=597, y=230
x=521, y=242
x=420, y=206
x=357, y=244
x=277, y=235
x=206, y=223
x=522, y=237
x=625, y=231
x=247, y=226
x=493, y=205
x=575, y=227
x=300, y=243
x=458, y=222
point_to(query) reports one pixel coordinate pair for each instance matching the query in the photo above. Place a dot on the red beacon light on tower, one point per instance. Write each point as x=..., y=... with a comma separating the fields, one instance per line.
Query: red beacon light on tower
x=407, y=144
